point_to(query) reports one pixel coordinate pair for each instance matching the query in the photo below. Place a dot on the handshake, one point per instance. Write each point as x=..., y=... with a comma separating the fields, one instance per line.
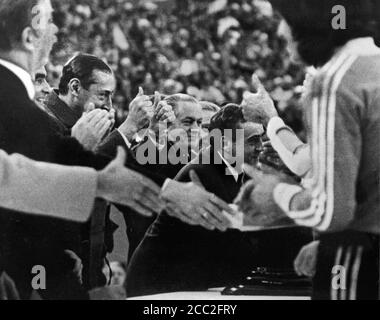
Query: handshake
x=189, y=202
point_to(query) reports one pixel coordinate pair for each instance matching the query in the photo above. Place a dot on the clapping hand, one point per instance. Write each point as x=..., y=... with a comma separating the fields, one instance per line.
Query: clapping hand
x=92, y=127
x=141, y=111
x=258, y=107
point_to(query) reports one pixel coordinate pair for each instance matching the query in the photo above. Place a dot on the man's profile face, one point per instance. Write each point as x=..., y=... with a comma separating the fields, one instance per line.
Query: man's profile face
x=249, y=144
x=42, y=87
x=187, y=125
x=46, y=32
x=100, y=92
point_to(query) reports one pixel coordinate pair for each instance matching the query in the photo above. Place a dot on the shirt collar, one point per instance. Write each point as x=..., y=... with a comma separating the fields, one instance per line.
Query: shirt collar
x=361, y=47
x=67, y=116
x=22, y=74
x=230, y=168
x=356, y=47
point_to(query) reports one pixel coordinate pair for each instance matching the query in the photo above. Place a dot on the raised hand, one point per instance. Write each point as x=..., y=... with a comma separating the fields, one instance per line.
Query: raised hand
x=192, y=204
x=256, y=198
x=258, y=107
x=163, y=112
x=92, y=127
x=120, y=185
x=141, y=112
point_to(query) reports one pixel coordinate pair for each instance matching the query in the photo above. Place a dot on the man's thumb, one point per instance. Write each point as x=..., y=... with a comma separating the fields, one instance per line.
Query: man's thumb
x=257, y=86
x=195, y=179
x=121, y=157
x=141, y=92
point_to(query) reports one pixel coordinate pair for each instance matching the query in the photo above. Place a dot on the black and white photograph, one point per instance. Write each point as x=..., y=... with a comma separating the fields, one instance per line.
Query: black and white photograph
x=189, y=155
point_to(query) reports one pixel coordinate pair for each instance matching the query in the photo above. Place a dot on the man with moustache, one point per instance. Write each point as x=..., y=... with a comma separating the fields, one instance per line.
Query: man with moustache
x=28, y=34
x=178, y=256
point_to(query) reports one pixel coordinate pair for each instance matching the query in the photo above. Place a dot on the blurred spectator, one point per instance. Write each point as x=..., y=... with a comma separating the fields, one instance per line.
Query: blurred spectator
x=119, y=273
x=208, y=49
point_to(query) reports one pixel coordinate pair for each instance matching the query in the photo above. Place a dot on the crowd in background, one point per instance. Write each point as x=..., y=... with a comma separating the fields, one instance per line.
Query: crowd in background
x=203, y=48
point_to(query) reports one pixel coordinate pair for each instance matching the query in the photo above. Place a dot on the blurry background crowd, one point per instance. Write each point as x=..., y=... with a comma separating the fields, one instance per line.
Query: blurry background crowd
x=203, y=48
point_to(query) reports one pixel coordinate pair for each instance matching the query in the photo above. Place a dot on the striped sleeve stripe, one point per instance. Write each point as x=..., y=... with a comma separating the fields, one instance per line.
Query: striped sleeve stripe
x=323, y=128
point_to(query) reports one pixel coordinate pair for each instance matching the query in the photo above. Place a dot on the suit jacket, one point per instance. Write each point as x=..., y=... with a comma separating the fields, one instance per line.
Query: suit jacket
x=175, y=256
x=28, y=130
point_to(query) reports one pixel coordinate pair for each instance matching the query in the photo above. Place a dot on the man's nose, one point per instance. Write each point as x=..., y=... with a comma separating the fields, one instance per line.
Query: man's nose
x=46, y=88
x=109, y=103
x=196, y=126
x=259, y=147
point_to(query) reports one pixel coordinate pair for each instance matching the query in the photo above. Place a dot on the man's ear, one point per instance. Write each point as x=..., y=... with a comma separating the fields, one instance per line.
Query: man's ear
x=74, y=86
x=28, y=39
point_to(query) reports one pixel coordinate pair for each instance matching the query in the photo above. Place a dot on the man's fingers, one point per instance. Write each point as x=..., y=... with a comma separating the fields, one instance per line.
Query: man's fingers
x=91, y=115
x=148, y=203
x=216, y=217
x=141, y=209
x=151, y=186
x=205, y=224
x=257, y=84
x=99, y=116
x=195, y=179
x=162, y=110
x=173, y=211
x=247, y=96
x=90, y=107
x=105, y=127
x=221, y=205
x=154, y=201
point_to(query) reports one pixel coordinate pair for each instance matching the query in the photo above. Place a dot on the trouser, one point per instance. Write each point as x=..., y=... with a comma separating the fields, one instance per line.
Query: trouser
x=347, y=267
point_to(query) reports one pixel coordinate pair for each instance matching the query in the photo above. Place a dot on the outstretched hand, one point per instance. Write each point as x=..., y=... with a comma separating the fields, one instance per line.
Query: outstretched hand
x=120, y=185
x=256, y=198
x=192, y=204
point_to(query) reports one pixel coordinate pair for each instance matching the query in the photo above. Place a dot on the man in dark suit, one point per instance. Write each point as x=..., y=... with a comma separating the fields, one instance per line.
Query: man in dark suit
x=153, y=151
x=25, y=45
x=175, y=256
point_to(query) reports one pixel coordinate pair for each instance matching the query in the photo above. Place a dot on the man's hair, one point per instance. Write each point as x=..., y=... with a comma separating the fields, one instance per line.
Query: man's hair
x=229, y=117
x=15, y=17
x=209, y=106
x=82, y=67
x=311, y=25
x=175, y=99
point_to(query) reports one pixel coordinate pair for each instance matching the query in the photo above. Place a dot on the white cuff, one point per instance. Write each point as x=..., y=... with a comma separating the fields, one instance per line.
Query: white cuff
x=125, y=139
x=274, y=125
x=283, y=195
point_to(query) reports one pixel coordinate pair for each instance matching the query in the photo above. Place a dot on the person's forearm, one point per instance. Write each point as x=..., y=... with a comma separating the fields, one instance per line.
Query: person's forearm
x=292, y=151
x=46, y=189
